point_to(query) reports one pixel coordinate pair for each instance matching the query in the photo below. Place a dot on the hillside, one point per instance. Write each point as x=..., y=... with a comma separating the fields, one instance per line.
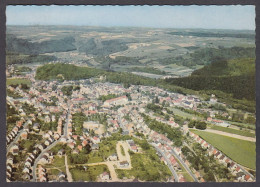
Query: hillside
x=227, y=76
x=24, y=46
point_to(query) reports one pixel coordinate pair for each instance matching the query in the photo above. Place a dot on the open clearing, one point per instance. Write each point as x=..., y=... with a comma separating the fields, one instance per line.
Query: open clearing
x=240, y=151
x=17, y=81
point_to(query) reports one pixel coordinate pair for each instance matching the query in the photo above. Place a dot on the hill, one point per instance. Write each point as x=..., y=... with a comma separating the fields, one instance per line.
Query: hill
x=24, y=46
x=236, y=77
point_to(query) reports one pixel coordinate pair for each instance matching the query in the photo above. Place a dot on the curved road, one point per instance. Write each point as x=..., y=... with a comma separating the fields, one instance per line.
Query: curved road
x=50, y=146
x=184, y=165
x=176, y=178
x=16, y=138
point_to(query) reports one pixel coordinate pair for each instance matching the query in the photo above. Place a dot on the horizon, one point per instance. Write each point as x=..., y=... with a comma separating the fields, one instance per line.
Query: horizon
x=230, y=17
x=36, y=25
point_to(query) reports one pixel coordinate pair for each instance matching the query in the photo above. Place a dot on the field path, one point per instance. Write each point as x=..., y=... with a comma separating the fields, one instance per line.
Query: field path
x=125, y=157
x=251, y=139
x=67, y=170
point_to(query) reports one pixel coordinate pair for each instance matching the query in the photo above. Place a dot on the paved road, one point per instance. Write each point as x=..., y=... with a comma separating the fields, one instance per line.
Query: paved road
x=50, y=147
x=184, y=165
x=16, y=138
x=176, y=178
x=66, y=125
x=40, y=155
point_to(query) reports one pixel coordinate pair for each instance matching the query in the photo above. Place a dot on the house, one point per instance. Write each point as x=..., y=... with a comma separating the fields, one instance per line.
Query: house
x=116, y=101
x=26, y=170
x=95, y=140
x=36, y=127
x=26, y=177
x=105, y=176
x=240, y=176
x=95, y=147
x=62, y=177
x=84, y=143
x=123, y=164
x=80, y=147
x=44, y=159
x=28, y=164
x=75, y=151
x=112, y=157
x=61, y=152
x=71, y=145
x=24, y=135
x=56, y=136
x=248, y=178
x=181, y=178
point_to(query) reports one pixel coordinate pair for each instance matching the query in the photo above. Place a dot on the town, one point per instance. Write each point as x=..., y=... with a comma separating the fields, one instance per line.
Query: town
x=94, y=130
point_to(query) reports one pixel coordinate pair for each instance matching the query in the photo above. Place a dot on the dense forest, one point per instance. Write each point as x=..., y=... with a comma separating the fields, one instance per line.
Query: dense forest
x=206, y=56
x=103, y=48
x=16, y=58
x=24, y=46
x=234, y=77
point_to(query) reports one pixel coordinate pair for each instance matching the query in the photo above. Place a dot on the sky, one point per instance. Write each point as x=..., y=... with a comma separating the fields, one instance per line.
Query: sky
x=208, y=17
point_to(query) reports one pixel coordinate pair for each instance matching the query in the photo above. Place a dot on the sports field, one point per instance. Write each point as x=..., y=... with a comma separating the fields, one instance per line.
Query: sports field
x=241, y=151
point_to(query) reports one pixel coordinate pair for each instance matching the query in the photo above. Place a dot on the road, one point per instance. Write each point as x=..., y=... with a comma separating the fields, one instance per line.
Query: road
x=230, y=135
x=40, y=155
x=50, y=146
x=184, y=165
x=16, y=138
x=176, y=178
x=119, y=154
x=66, y=125
x=69, y=177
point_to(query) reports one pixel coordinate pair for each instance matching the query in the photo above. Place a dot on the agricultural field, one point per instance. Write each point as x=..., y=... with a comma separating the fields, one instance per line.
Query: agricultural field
x=241, y=151
x=233, y=131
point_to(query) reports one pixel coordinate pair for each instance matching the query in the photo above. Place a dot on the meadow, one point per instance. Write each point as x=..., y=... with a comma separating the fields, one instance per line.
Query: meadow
x=241, y=151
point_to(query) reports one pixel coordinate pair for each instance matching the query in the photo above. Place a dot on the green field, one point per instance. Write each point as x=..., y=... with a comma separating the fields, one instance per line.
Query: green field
x=106, y=148
x=240, y=151
x=18, y=81
x=146, y=167
x=233, y=131
x=91, y=174
x=184, y=114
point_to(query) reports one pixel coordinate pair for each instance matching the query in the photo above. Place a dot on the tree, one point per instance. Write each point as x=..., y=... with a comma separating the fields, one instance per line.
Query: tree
x=201, y=125
x=191, y=124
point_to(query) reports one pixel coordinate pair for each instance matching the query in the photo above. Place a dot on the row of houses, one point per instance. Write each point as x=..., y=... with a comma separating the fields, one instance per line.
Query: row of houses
x=11, y=136
x=234, y=168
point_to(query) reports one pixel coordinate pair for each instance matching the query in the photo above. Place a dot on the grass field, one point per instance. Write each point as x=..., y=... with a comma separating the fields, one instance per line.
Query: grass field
x=90, y=174
x=18, y=81
x=241, y=151
x=146, y=167
x=106, y=148
x=184, y=114
x=233, y=131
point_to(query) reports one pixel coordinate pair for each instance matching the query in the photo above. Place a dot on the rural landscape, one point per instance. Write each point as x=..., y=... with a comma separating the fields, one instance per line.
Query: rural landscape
x=130, y=104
